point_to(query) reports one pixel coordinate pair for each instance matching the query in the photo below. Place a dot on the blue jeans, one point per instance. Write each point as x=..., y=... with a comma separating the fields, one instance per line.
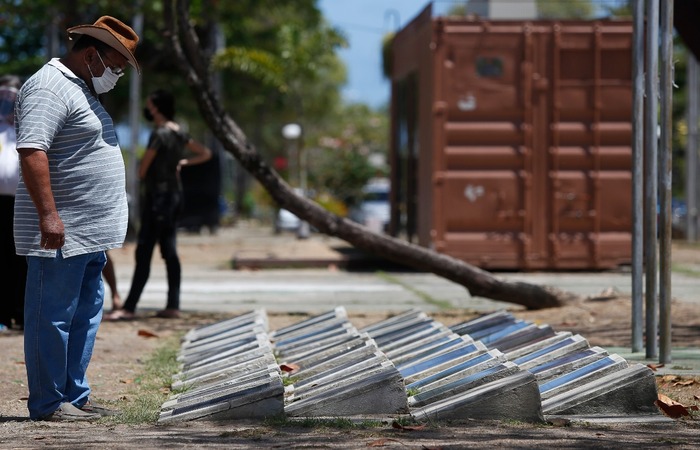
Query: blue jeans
x=62, y=310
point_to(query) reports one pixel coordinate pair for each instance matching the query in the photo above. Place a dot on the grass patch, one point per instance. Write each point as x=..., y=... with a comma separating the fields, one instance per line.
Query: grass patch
x=441, y=304
x=335, y=423
x=685, y=270
x=150, y=389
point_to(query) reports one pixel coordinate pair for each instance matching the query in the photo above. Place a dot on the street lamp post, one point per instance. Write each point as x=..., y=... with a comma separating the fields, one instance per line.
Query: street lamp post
x=292, y=132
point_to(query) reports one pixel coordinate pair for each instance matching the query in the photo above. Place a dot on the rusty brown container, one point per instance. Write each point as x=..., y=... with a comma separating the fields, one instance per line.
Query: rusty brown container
x=511, y=141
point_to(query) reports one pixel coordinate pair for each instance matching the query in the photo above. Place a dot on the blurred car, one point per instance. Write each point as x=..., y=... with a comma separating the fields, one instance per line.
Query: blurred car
x=374, y=210
x=286, y=221
x=679, y=217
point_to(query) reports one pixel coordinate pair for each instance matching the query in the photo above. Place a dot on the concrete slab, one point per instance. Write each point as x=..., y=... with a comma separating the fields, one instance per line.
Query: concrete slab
x=316, y=342
x=458, y=342
x=336, y=313
x=258, y=401
x=429, y=344
x=409, y=314
x=198, y=394
x=436, y=328
x=499, y=329
x=338, y=361
x=521, y=338
x=215, y=351
x=398, y=331
x=315, y=356
x=438, y=364
x=630, y=391
x=567, y=363
x=223, y=336
x=481, y=361
x=261, y=344
x=313, y=333
x=512, y=398
x=187, y=381
x=336, y=380
x=258, y=315
x=484, y=321
x=582, y=375
x=414, y=358
x=537, y=345
x=381, y=393
x=227, y=341
x=464, y=384
x=572, y=344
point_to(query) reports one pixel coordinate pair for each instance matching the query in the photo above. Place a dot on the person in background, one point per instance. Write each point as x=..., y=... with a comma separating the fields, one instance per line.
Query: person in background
x=159, y=172
x=111, y=278
x=13, y=275
x=70, y=208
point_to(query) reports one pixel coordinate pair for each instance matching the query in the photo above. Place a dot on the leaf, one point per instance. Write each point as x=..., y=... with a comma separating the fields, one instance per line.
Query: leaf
x=655, y=366
x=696, y=397
x=147, y=334
x=669, y=378
x=381, y=442
x=127, y=381
x=289, y=367
x=398, y=426
x=671, y=408
x=684, y=383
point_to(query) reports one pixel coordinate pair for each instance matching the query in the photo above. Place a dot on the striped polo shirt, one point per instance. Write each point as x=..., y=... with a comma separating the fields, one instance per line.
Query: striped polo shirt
x=57, y=113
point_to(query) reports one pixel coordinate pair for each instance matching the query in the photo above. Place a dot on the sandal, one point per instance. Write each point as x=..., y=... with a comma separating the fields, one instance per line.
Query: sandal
x=120, y=314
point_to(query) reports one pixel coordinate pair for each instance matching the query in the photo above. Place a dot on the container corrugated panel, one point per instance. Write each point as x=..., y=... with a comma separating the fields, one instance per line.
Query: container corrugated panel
x=527, y=138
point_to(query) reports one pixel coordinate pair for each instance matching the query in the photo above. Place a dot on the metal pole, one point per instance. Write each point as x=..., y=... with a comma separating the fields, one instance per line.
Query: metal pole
x=651, y=170
x=132, y=180
x=638, y=176
x=665, y=178
x=691, y=197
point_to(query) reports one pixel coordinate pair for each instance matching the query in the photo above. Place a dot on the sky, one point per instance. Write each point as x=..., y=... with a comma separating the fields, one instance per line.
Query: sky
x=365, y=23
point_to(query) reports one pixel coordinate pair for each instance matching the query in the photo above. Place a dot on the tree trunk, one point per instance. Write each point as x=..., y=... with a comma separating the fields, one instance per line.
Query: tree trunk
x=478, y=282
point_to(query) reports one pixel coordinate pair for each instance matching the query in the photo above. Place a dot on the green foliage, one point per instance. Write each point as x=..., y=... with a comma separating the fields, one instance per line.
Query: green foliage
x=151, y=388
x=569, y=9
x=279, y=64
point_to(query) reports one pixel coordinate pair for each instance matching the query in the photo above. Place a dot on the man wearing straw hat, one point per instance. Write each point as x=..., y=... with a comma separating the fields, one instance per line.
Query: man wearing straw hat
x=70, y=208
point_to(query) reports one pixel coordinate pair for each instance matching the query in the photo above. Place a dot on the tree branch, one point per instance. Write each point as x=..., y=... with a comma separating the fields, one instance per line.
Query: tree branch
x=478, y=282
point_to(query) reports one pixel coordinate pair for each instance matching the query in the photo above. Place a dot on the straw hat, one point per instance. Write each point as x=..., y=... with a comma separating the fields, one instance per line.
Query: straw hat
x=114, y=33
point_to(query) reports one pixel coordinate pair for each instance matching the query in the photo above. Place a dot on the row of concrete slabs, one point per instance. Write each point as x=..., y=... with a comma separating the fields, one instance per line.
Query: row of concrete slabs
x=492, y=367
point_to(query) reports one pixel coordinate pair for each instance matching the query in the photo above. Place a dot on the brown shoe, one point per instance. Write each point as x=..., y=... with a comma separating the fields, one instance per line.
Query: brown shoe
x=95, y=408
x=168, y=314
x=66, y=412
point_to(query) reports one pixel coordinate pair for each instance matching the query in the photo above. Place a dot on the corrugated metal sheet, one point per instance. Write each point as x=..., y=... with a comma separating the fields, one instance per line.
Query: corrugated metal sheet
x=511, y=143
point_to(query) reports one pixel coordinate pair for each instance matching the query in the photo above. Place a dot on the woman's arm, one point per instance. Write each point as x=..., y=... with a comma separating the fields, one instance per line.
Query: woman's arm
x=201, y=154
x=146, y=161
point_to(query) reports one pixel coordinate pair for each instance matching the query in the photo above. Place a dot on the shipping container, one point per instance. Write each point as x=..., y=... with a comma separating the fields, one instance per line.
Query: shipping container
x=511, y=141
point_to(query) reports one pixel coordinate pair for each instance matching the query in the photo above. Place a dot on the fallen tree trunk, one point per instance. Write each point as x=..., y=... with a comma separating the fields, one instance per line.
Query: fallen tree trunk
x=478, y=282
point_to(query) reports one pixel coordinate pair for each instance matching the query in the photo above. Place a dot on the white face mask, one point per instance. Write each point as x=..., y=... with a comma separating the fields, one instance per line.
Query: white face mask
x=107, y=81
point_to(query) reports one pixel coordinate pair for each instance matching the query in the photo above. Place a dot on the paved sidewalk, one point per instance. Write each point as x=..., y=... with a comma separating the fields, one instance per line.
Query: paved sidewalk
x=209, y=283
x=316, y=281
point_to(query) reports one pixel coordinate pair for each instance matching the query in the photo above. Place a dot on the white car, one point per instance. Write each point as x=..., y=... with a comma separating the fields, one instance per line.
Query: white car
x=286, y=221
x=374, y=210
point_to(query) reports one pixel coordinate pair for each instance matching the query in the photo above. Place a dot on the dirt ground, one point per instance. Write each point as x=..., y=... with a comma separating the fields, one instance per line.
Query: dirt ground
x=121, y=349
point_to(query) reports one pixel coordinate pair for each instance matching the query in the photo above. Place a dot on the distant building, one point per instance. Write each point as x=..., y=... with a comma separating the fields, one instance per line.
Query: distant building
x=503, y=9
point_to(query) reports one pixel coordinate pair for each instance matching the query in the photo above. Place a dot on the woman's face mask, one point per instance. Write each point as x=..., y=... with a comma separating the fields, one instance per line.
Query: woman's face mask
x=107, y=81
